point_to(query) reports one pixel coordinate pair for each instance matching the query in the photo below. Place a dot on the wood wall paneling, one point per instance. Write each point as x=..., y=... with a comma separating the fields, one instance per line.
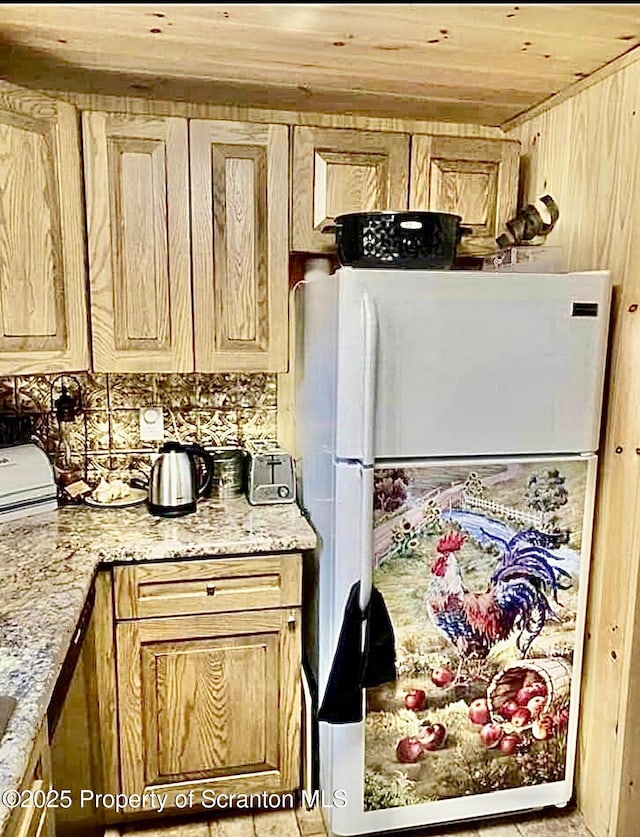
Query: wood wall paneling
x=585, y=152
x=239, y=227
x=42, y=274
x=137, y=174
x=321, y=58
x=338, y=171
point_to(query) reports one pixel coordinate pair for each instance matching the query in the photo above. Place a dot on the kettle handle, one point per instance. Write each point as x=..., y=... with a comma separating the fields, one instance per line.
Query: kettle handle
x=201, y=453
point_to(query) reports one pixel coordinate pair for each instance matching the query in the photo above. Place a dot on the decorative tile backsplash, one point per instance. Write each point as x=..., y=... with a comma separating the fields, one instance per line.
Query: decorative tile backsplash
x=214, y=410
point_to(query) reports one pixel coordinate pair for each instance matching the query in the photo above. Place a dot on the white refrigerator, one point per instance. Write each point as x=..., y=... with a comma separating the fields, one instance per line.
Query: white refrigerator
x=447, y=424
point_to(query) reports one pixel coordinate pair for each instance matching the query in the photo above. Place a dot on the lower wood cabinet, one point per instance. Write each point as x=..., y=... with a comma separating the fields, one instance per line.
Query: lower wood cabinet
x=83, y=726
x=210, y=701
x=38, y=820
x=187, y=680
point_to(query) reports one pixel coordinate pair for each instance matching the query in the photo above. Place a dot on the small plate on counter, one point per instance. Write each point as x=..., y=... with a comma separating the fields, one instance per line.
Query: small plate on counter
x=133, y=498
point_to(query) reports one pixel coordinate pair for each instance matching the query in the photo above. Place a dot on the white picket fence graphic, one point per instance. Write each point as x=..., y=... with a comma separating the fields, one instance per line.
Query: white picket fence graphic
x=533, y=518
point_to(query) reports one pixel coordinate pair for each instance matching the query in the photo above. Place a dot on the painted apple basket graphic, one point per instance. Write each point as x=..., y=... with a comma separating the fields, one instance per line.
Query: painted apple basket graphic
x=531, y=695
x=479, y=568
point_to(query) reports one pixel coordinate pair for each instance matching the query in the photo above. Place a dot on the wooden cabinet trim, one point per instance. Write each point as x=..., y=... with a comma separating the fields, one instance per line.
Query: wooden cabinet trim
x=214, y=585
x=103, y=658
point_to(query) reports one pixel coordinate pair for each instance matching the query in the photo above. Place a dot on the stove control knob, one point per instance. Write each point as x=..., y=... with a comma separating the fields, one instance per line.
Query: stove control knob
x=283, y=491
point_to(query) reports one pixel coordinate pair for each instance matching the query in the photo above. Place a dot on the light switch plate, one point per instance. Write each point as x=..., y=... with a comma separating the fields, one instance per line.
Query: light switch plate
x=151, y=424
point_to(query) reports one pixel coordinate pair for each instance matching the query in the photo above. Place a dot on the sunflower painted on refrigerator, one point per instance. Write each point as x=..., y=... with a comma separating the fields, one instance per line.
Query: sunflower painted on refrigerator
x=479, y=567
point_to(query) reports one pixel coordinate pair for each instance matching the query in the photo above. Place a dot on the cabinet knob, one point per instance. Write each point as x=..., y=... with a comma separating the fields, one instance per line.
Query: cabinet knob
x=211, y=589
x=291, y=622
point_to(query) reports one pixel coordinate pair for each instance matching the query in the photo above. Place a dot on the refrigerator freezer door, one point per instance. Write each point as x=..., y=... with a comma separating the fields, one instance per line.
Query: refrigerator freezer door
x=501, y=609
x=473, y=363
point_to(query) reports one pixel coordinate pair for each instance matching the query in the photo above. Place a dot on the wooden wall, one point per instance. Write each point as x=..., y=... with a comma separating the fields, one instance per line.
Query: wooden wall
x=585, y=151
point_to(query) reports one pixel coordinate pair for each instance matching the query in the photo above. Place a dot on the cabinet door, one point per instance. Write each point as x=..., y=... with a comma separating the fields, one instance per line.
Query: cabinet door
x=474, y=178
x=239, y=227
x=35, y=820
x=43, y=310
x=137, y=183
x=210, y=702
x=84, y=739
x=337, y=171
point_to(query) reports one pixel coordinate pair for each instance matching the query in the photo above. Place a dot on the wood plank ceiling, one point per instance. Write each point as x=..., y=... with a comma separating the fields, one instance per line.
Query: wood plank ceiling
x=480, y=64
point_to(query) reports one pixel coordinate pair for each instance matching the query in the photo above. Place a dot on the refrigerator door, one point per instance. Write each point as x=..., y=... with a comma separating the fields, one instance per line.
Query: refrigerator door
x=472, y=363
x=483, y=565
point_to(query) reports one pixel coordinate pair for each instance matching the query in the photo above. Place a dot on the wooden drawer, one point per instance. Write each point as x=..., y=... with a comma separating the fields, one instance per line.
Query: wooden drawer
x=212, y=585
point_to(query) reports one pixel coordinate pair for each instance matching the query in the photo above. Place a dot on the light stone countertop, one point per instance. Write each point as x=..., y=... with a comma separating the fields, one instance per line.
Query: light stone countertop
x=48, y=563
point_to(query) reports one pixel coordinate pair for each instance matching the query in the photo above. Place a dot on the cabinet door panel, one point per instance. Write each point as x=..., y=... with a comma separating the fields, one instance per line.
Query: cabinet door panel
x=138, y=228
x=42, y=277
x=240, y=245
x=336, y=171
x=210, y=702
x=198, y=706
x=474, y=178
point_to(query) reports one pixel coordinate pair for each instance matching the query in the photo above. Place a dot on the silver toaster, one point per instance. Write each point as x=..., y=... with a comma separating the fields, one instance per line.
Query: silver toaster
x=270, y=473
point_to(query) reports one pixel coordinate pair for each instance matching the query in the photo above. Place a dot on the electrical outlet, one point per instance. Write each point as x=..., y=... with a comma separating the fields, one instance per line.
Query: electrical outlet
x=151, y=424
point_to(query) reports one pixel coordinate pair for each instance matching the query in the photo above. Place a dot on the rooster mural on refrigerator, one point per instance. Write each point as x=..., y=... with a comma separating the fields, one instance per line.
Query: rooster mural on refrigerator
x=516, y=599
x=479, y=569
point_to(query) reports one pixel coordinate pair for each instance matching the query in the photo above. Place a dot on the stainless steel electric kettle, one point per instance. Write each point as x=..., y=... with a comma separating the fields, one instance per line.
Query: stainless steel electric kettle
x=174, y=485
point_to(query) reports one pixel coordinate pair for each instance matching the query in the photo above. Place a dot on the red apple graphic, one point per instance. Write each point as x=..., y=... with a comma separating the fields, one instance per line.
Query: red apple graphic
x=409, y=750
x=509, y=708
x=541, y=731
x=536, y=706
x=415, y=699
x=433, y=736
x=508, y=744
x=534, y=689
x=441, y=677
x=479, y=711
x=490, y=735
x=521, y=717
x=538, y=687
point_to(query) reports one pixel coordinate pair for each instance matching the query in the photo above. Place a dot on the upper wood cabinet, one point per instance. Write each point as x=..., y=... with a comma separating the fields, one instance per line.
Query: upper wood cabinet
x=337, y=171
x=137, y=186
x=146, y=313
x=239, y=227
x=43, y=314
x=474, y=178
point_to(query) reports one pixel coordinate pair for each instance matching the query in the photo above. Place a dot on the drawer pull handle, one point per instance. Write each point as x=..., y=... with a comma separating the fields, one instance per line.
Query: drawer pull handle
x=291, y=622
x=211, y=589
